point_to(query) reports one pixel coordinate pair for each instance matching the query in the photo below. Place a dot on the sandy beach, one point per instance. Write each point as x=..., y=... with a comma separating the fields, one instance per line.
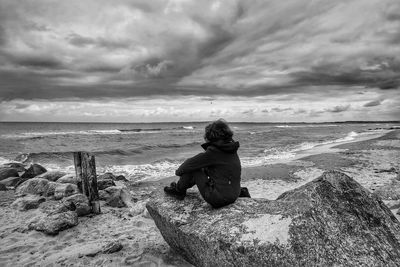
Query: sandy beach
x=372, y=161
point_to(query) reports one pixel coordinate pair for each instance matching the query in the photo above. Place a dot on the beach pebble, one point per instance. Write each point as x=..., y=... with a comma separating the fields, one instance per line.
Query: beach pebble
x=33, y=171
x=51, y=175
x=80, y=203
x=35, y=186
x=8, y=172
x=28, y=202
x=54, y=223
x=68, y=179
x=104, y=183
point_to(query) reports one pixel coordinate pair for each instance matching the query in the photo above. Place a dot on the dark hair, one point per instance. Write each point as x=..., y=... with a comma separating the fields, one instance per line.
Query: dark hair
x=218, y=130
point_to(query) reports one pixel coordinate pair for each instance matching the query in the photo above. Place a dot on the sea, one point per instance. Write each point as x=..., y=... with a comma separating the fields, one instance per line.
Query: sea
x=152, y=151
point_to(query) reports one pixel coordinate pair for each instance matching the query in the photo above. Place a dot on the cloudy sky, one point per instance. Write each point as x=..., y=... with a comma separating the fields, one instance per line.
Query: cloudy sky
x=188, y=60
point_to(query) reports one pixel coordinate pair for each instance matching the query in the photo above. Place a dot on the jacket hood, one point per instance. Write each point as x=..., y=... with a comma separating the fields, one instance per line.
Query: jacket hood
x=225, y=146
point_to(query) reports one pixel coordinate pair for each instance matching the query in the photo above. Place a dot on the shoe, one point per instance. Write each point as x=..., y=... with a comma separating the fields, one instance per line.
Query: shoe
x=244, y=192
x=173, y=191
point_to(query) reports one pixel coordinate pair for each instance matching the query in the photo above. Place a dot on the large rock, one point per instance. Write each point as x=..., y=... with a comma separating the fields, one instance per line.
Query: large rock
x=51, y=175
x=33, y=171
x=331, y=221
x=11, y=181
x=8, y=172
x=16, y=165
x=64, y=190
x=54, y=223
x=68, y=179
x=118, y=196
x=28, y=202
x=104, y=183
x=34, y=186
x=107, y=175
x=79, y=203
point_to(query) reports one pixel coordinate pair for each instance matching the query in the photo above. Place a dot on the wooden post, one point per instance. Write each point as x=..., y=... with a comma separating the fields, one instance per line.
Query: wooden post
x=85, y=169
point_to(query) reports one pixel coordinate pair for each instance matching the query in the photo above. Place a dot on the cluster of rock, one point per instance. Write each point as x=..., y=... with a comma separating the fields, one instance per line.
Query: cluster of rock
x=56, y=195
x=330, y=221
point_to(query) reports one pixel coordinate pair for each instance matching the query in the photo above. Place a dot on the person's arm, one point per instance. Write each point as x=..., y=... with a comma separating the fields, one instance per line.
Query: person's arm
x=195, y=163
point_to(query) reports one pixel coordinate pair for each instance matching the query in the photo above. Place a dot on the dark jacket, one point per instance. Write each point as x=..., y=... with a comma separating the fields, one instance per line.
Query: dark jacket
x=221, y=163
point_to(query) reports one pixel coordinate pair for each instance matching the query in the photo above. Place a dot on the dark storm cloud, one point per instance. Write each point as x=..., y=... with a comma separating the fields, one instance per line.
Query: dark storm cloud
x=338, y=109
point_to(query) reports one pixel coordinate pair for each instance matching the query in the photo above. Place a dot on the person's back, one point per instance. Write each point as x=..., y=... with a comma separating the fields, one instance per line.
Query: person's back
x=216, y=172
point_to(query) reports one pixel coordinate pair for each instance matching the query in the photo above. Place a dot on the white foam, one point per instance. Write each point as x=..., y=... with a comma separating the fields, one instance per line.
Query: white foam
x=188, y=127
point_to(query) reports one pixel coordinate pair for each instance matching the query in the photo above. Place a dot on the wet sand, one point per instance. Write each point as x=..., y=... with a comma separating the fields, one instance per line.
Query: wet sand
x=373, y=163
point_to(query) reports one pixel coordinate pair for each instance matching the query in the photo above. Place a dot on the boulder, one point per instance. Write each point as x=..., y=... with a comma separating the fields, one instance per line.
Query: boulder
x=330, y=221
x=8, y=172
x=79, y=203
x=68, y=179
x=107, y=175
x=104, y=183
x=51, y=175
x=11, y=181
x=103, y=195
x=121, y=178
x=64, y=190
x=54, y=223
x=28, y=202
x=33, y=171
x=51, y=207
x=16, y=165
x=34, y=186
x=119, y=196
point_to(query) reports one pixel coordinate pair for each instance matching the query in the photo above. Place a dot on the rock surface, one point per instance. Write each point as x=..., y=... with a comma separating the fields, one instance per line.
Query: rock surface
x=79, y=202
x=28, y=202
x=54, y=223
x=3, y=187
x=34, y=186
x=119, y=196
x=104, y=183
x=33, y=171
x=11, y=181
x=64, y=190
x=330, y=221
x=8, y=172
x=51, y=175
x=19, y=166
x=68, y=179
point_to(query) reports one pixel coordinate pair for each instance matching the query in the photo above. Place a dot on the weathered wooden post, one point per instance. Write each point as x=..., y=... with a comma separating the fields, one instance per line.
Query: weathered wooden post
x=85, y=169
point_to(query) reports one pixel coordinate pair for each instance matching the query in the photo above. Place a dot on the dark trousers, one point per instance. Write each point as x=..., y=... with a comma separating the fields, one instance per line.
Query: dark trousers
x=207, y=188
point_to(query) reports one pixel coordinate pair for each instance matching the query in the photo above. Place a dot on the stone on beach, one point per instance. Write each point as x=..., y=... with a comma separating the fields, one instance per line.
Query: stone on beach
x=80, y=204
x=118, y=196
x=331, y=220
x=68, y=179
x=34, y=186
x=11, y=181
x=28, y=202
x=33, y=171
x=51, y=175
x=16, y=165
x=105, y=183
x=54, y=223
x=64, y=190
x=8, y=172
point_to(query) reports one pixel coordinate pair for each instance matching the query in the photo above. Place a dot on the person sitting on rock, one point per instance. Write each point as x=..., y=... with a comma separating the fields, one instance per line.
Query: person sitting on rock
x=216, y=172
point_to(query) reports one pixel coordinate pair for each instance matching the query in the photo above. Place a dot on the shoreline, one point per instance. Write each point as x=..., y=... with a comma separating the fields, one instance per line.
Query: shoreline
x=369, y=161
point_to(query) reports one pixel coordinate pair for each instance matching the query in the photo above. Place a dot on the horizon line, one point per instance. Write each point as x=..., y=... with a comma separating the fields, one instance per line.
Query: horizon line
x=243, y=122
